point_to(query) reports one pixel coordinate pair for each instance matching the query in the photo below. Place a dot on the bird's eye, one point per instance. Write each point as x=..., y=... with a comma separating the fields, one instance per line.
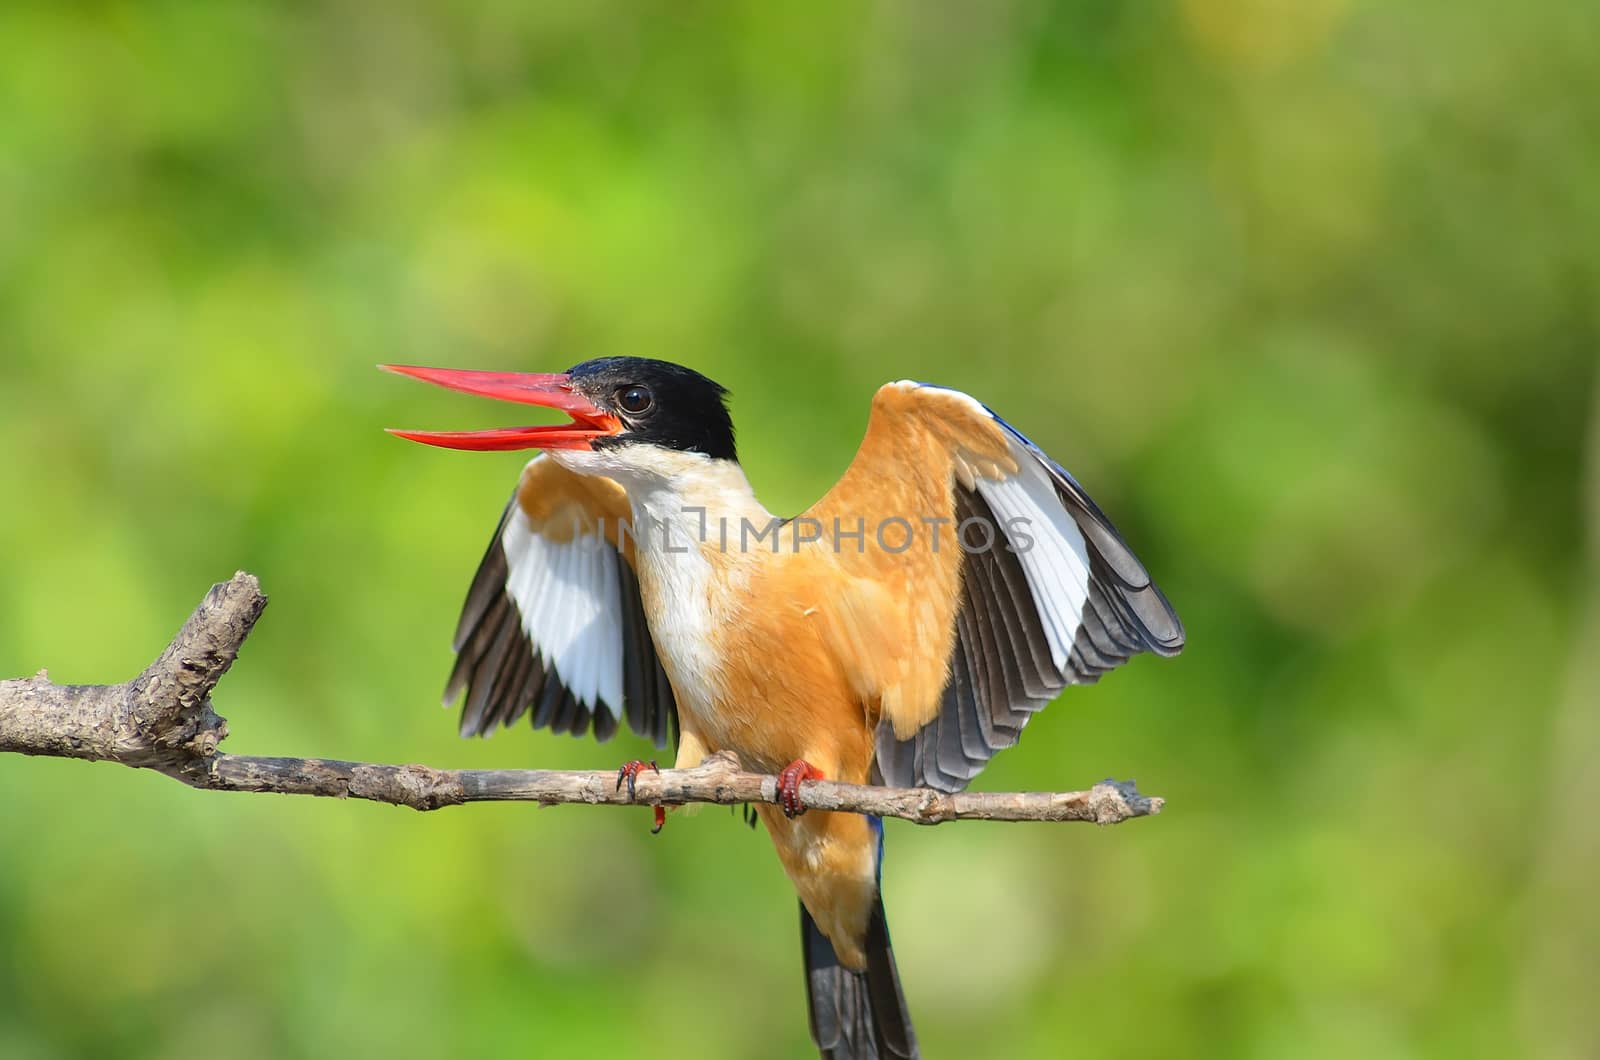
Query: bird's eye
x=634, y=399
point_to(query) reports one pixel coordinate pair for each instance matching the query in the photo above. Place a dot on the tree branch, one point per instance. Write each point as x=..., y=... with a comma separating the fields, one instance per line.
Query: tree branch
x=163, y=720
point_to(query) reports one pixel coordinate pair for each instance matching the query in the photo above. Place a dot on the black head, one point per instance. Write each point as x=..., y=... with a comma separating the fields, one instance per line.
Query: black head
x=614, y=402
x=658, y=403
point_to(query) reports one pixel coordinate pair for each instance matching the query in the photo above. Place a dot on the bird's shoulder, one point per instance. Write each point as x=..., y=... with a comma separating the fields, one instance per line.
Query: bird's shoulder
x=888, y=531
x=562, y=505
x=919, y=438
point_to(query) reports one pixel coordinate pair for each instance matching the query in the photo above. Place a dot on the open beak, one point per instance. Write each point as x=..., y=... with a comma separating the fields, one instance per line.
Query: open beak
x=589, y=421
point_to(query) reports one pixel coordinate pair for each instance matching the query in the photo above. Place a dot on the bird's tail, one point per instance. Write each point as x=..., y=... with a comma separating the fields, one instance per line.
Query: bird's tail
x=856, y=1015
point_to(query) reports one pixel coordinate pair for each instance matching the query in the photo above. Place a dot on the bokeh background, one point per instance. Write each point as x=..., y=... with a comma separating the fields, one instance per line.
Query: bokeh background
x=1308, y=295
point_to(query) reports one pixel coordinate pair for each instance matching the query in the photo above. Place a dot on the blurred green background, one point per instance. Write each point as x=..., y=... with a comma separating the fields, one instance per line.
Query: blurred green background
x=1305, y=293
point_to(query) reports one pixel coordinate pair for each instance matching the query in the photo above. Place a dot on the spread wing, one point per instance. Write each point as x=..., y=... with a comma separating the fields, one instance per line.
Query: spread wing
x=1032, y=590
x=553, y=624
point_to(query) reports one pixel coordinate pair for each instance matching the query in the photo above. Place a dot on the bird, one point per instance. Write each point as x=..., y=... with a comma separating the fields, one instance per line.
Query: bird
x=900, y=631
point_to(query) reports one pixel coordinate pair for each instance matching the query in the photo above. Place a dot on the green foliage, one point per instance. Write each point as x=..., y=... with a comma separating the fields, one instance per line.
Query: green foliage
x=1305, y=294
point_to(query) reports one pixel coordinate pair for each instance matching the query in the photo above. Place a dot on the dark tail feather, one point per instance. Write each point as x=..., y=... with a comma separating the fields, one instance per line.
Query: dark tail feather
x=856, y=1015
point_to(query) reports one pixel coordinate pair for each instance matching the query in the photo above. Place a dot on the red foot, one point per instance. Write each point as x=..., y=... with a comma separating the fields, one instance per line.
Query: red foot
x=632, y=769
x=789, y=785
x=628, y=773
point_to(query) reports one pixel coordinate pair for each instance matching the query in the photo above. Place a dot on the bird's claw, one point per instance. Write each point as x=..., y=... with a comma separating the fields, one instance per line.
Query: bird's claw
x=628, y=774
x=630, y=771
x=789, y=785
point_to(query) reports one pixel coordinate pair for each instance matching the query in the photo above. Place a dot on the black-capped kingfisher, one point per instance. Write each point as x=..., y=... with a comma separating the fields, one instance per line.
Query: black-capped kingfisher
x=900, y=631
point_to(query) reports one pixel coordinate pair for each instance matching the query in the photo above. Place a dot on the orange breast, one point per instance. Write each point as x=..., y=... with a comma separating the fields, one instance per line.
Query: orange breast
x=779, y=691
x=789, y=694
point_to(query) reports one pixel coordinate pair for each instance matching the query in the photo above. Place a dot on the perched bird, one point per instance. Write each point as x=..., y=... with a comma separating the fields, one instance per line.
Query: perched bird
x=900, y=631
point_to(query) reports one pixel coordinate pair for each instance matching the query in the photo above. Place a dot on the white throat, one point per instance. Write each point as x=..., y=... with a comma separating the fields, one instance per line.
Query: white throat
x=678, y=499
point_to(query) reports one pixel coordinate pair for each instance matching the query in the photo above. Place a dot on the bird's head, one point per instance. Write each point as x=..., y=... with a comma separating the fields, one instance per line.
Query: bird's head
x=628, y=414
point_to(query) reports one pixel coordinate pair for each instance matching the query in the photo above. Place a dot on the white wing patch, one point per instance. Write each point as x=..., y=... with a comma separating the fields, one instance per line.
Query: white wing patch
x=1049, y=546
x=571, y=606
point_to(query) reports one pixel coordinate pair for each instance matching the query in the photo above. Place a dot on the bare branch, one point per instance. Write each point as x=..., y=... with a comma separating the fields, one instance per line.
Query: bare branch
x=163, y=720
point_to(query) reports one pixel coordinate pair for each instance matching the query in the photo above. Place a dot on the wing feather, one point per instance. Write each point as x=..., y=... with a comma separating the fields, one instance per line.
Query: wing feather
x=553, y=623
x=1058, y=599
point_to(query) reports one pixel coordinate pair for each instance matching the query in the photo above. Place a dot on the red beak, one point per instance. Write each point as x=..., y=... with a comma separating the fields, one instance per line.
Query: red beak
x=589, y=421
